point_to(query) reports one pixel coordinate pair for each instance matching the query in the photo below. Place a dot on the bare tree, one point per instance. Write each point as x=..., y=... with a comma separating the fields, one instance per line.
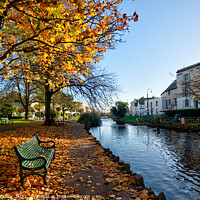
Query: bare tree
x=21, y=89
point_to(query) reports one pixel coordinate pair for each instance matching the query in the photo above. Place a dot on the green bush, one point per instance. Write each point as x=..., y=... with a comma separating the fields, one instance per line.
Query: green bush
x=90, y=120
x=39, y=114
x=17, y=117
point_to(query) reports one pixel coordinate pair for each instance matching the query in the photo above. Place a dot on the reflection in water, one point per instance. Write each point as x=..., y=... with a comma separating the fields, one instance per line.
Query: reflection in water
x=169, y=161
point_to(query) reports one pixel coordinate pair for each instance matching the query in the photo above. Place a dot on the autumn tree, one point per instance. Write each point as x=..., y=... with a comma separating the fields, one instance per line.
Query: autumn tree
x=192, y=88
x=189, y=86
x=67, y=38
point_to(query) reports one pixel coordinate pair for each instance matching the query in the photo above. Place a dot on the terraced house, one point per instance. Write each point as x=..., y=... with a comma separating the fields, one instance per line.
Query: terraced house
x=183, y=93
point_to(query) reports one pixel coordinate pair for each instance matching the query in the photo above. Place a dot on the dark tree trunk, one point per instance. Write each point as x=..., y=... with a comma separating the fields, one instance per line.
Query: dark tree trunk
x=63, y=114
x=26, y=106
x=48, y=95
x=26, y=111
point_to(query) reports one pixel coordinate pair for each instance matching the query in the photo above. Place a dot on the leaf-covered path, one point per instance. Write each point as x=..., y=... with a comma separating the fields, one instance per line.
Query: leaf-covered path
x=80, y=169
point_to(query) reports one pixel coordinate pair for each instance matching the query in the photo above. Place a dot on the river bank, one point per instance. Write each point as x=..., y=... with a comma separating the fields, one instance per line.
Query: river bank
x=170, y=126
x=165, y=158
x=82, y=169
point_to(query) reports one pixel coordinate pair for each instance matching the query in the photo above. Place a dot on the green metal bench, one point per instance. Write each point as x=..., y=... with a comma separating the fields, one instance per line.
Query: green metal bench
x=33, y=157
x=61, y=122
x=6, y=121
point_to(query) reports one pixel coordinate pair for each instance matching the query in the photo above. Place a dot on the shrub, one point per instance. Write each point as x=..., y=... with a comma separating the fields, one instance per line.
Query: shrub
x=17, y=117
x=90, y=120
x=184, y=112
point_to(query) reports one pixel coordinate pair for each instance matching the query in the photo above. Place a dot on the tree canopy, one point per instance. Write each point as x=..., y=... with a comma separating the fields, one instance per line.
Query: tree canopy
x=67, y=36
x=120, y=109
x=62, y=40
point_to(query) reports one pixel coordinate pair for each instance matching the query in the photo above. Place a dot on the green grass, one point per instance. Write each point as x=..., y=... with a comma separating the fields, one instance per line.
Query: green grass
x=22, y=121
x=133, y=118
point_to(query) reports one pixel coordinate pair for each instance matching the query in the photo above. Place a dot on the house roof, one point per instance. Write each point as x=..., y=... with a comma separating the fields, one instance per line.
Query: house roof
x=172, y=86
x=189, y=67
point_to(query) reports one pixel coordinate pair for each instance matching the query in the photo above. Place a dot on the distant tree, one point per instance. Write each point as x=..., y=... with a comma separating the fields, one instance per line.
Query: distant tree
x=7, y=109
x=120, y=109
x=78, y=107
x=65, y=101
x=20, y=89
x=90, y=119
x=141, y=101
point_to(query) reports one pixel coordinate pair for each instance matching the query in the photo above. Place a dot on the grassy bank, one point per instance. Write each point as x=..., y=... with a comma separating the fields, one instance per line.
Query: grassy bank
x=141, y=119
x=166, y=123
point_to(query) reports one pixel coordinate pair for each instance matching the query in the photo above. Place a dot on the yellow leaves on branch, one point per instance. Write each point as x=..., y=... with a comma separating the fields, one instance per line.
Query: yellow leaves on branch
x=73, y=32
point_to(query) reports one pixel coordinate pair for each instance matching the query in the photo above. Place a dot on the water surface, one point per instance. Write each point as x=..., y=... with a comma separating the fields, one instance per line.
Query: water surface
x=169, y=161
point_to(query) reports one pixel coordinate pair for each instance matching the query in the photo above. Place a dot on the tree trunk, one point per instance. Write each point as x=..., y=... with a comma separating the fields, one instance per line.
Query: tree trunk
x=26, y=106
x=63, y=114
x=26, y=111
x=48, y=95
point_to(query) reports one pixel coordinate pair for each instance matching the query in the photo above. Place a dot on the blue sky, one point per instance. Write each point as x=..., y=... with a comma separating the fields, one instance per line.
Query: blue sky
x=165, y=39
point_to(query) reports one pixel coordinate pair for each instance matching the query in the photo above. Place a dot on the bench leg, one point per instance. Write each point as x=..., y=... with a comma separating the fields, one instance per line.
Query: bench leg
x=21, y=176
x=32, y=173
x=44, y=176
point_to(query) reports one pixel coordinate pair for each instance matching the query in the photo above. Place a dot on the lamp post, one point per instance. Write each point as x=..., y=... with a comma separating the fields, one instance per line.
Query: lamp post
x=148, y=102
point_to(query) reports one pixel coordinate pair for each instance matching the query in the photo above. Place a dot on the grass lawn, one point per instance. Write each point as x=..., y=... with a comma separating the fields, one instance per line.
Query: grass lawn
x=133, y=118
x=22, y=121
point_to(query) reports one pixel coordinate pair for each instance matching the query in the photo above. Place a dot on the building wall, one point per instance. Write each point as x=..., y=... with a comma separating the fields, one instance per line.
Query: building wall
x=185, y=77
x=155, y=106
x=136, y=109
x=170, y=99
x=176, y=96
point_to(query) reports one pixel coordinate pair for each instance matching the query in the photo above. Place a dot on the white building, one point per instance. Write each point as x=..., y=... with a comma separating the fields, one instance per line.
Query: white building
x=155, y=105
x=137, y=109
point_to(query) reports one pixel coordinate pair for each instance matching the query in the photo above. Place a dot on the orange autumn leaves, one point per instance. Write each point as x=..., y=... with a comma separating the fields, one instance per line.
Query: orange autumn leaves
x=65, y=165
x=68, y=37
x=33, y=185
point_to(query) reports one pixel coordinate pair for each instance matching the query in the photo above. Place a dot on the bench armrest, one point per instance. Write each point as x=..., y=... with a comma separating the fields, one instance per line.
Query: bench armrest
x=53, y=146
x=40, y=141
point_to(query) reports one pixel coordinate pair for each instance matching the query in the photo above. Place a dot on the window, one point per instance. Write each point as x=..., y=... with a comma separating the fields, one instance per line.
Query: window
x=169, y=92
x=156, y=111
x=156, y=103
x=166, y=104
x=186, y=91
x=175, y=101
x=186, y=102
x=187, y=78
x=196, y=104
x=169, y=102
x=151, y=104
